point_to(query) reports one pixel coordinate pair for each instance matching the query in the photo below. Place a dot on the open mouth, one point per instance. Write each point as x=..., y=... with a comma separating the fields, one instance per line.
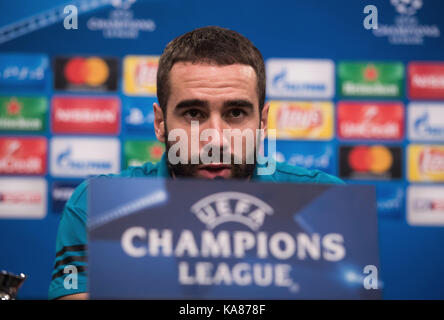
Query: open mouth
x=212, y=171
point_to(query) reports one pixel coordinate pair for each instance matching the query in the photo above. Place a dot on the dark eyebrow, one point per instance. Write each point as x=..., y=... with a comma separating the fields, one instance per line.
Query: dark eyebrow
x=191, y=103
x=238, y=103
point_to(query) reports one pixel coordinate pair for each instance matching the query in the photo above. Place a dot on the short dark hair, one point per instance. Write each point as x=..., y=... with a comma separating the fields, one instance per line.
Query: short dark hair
x=212, y=45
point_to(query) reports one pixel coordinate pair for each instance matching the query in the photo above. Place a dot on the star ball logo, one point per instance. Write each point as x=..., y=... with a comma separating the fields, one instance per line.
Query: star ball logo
x=407, y=7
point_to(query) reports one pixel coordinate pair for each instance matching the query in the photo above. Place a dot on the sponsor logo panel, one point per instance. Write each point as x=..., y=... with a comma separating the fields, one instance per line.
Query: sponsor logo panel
x=390, y=199
x=300, y=78
x=85, y=74
x=139, y=115
x=370, y=120
x=85, y=115
x=26, y=114
x=81, y=157
x=425, y=205
x=140, y=74
x=426, y=163
x=301, y=120
x=370, y=162
x=61, y=192
x=310, y=155
x=138, y=152
x=368, y=79
x=23, y=156
x=23, y=198
x=426, y=121
x=23, y=71
x=426, y=80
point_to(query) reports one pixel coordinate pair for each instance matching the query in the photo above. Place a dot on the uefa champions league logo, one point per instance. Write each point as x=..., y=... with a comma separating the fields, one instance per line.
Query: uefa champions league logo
x=237, y=207
x=122, y=4
x=407, y=7
x=407, y=28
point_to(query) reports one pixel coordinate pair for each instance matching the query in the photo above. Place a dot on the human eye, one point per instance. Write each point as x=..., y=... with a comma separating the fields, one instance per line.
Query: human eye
x=193, y=114
x=236, y=114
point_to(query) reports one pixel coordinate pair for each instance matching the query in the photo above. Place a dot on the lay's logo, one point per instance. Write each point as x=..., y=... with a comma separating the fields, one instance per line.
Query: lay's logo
x=301, y=120
x=140, y=75
x=426, y=163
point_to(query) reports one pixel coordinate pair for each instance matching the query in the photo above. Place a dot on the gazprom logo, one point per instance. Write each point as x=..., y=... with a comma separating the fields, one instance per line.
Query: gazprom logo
x=81, y=157
x=300, y=78
x=423, y=126
x=426, y=122
x=281, y=81
x=65, y=160
x=224, y=207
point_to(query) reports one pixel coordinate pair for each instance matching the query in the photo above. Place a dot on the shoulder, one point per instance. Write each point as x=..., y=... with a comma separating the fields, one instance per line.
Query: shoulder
x=289, y=173
x=78, y=199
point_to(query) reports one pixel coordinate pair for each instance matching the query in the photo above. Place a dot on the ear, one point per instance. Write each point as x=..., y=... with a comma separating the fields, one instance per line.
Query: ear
x=264, y=118
x=159, y=122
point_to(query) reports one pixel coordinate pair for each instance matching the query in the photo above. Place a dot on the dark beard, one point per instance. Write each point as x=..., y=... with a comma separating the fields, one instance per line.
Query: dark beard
x=238, y=171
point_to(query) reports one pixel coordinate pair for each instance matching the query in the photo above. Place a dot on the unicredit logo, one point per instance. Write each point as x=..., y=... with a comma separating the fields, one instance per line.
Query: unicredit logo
x=237, y=207
x=368, y=121
x=23, y=156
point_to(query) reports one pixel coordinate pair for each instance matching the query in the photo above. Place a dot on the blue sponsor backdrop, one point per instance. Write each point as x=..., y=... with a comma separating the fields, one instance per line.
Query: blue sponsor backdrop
x=411, y=258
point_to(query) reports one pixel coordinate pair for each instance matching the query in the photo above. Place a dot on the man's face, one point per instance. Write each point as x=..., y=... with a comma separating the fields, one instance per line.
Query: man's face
x=220, y=98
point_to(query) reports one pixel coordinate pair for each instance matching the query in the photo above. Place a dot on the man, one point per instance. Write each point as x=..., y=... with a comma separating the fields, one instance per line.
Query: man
x=210, y=77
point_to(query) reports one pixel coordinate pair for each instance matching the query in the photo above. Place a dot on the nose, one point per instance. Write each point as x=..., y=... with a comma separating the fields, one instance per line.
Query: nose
x=212, y=132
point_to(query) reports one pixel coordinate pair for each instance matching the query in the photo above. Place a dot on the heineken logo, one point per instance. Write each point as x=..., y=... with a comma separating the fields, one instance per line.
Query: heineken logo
x=14, y=107
x=23, y=113
x=156, y=151
x=367, y=79
x=370, y=73
x=224, y=207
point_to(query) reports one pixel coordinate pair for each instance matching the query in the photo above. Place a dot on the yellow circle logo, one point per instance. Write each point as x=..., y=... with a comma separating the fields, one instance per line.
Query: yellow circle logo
x=97, y=73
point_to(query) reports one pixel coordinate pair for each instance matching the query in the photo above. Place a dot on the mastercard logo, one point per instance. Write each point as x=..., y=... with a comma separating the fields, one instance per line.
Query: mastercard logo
x=376, y=159
x=91, y=71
